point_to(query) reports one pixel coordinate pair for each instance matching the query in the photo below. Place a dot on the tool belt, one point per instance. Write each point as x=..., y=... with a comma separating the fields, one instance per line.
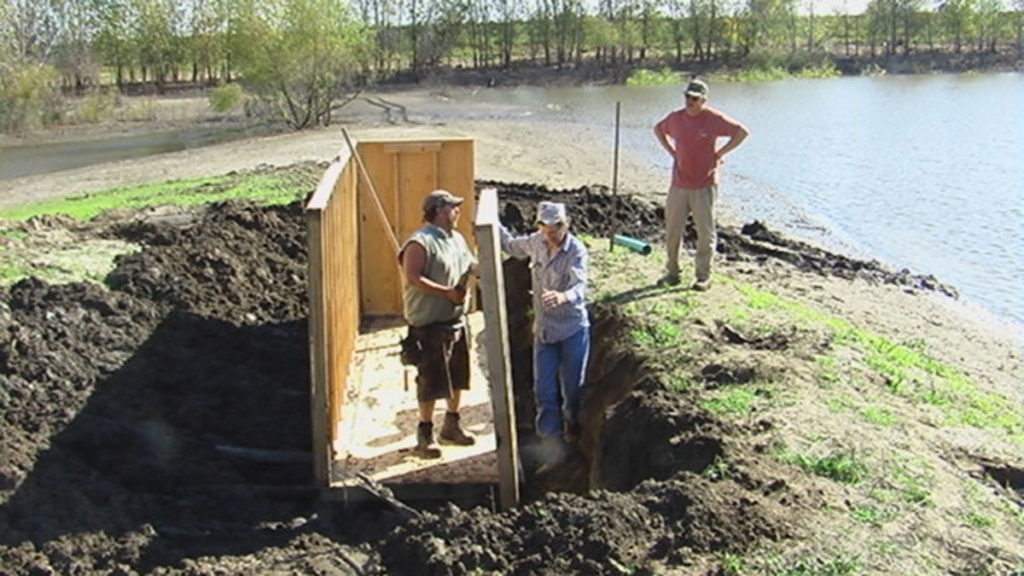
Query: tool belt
x=412, y=347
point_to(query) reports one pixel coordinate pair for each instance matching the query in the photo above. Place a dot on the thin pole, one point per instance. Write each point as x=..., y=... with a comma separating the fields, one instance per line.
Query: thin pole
x=615, y=164
x=615, y=174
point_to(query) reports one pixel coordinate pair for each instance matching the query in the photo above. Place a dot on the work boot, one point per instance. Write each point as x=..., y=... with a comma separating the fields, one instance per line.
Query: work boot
x=551, y=455
x=451, y=431
x=425, y=447
x=571, y=433
x=668, y=279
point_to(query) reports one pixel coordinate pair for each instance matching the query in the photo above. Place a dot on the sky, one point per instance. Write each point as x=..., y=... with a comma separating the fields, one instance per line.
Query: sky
x=834, y=6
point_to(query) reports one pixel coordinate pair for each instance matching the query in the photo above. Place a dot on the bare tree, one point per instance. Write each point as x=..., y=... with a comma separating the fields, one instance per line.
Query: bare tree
x=33, y=28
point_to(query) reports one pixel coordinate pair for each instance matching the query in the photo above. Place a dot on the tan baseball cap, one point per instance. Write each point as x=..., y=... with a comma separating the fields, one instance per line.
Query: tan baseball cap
x=697, y=88
x=439, y=198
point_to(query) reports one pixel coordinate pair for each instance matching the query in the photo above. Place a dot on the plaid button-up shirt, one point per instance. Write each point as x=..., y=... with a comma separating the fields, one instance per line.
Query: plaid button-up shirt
x=564, y=271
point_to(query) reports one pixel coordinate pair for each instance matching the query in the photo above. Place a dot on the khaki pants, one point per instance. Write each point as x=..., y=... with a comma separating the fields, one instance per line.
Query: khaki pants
x=680, y=203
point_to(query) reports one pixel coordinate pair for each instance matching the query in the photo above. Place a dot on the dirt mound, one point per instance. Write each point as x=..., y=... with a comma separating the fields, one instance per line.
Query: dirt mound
x=598, y=533
x=163, y=425
x=595, y=211
x=242, y=263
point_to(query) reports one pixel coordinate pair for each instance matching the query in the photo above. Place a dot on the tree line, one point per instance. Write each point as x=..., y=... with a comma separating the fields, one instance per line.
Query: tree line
x=299, y=56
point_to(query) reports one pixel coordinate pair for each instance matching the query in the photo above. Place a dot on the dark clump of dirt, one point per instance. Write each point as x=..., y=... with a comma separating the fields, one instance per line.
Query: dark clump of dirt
x=593, y=210
x=162, y=424
x=596, y=211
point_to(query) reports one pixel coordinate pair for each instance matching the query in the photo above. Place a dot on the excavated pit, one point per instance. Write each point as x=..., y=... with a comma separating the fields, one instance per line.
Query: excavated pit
x=125, y=409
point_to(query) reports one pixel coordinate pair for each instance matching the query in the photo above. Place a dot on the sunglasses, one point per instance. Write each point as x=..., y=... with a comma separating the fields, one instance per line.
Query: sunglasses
x=693, y=98
x=556, y=225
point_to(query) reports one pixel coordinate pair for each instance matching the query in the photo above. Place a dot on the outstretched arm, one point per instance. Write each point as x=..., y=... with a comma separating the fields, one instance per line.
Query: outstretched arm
x=515, y=246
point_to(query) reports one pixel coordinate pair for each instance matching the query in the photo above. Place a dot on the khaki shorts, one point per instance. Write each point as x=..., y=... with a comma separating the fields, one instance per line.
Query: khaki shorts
x=443, y=365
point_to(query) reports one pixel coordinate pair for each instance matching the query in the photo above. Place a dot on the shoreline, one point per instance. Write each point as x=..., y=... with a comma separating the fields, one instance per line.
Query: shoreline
x=506, y=150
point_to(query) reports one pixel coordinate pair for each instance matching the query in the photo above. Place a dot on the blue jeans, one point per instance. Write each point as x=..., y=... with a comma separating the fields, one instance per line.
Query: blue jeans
x=564, y=362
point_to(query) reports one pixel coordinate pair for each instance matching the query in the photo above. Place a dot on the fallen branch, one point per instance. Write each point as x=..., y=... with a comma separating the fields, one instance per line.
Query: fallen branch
x=384, y=494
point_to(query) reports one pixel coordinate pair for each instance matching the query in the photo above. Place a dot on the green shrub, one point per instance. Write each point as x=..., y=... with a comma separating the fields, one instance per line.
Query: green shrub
x=97, y=107
x=644, y=77
x=29, y=97
x=226, y=98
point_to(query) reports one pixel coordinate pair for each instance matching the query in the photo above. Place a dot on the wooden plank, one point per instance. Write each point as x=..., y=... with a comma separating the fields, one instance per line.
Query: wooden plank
x=325, y=188
x=495, y=338
x=456, y=172
x=412, y=147
x=345, y=287
x=371, y=196
x=417, y=178
x=379, y=274
x=317, y=351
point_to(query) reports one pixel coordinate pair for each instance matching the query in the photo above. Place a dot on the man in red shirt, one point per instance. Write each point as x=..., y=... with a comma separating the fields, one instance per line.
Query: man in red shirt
x=690, y=135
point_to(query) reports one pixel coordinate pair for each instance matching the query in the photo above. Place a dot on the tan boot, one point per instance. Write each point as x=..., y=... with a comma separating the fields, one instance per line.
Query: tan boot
x=425, y=447
x=451, y=431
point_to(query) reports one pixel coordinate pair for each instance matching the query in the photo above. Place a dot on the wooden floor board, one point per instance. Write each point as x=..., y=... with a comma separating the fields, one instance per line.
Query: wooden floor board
x=378, y=428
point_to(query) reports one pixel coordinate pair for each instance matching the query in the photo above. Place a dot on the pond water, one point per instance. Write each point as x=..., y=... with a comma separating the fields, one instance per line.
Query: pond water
x=26, y=160
x=919, y=172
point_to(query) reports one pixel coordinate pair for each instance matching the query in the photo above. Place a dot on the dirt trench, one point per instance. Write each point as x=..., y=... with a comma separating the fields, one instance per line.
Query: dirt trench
x=122, y=410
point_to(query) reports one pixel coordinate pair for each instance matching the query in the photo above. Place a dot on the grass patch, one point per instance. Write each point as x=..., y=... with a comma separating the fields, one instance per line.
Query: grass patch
x=908, y=370
x=679, y=379
x=660, y=323
x=718, y=470
x=67, y=262
x=9, y=273
x=980, y=521
x=839, y=565
x=767, y=74
x=274, y=188
x=841, y=467
x=907, y=487
x=873, y=515
x=13, y=234
x=879, y=415
x=828, y=375
x=732, y=564
x=736, y=402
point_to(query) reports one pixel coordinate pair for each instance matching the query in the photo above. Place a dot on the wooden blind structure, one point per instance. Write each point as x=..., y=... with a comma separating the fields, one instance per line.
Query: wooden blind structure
x=366, y=197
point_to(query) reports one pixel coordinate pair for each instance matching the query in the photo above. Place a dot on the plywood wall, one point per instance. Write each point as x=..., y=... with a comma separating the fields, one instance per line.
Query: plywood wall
x=332, y=229
x=403, y=173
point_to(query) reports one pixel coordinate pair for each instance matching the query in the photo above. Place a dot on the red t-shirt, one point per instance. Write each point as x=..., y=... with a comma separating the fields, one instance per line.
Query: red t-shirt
x=695, y=137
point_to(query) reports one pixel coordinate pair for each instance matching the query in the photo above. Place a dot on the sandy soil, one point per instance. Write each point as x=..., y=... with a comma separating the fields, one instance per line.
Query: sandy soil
x=508, y=152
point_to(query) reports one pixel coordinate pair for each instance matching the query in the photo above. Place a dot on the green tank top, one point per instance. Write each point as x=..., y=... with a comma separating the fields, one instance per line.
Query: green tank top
x=448, y=258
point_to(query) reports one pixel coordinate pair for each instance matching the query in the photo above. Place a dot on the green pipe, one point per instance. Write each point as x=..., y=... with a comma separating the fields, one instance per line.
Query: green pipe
x=633, y=244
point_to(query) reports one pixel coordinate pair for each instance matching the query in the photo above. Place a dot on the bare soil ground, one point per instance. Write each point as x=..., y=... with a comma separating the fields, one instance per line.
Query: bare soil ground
x=130, y=413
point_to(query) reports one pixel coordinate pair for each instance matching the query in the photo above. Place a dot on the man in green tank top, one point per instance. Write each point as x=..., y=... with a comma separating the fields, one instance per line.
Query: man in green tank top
x=436, y=261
